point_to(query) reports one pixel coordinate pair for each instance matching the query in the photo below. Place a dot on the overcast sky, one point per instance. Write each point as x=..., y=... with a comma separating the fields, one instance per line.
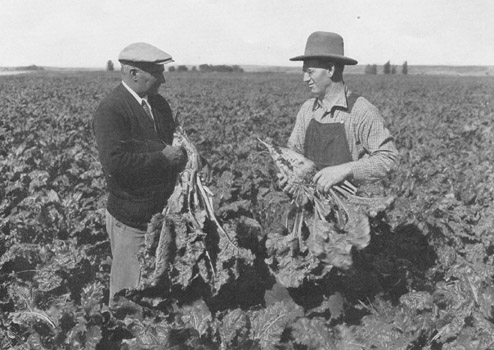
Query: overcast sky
x=88, y=33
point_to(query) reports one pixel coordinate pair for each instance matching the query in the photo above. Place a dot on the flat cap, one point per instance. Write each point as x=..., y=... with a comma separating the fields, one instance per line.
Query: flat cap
x=144, y=53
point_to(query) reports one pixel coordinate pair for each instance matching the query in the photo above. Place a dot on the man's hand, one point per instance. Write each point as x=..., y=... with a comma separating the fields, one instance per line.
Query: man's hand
x=176, y=157
x=330, y=176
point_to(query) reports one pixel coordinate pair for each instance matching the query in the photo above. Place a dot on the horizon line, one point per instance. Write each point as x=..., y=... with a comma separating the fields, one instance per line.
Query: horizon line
x=248, y=65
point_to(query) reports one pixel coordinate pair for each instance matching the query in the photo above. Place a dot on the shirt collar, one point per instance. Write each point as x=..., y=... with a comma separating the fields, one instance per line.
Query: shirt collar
x=337, y=98
x=136, y=96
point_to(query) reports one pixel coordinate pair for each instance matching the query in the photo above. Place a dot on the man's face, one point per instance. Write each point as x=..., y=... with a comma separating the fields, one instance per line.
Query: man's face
x=318, y=79
x=149, y=79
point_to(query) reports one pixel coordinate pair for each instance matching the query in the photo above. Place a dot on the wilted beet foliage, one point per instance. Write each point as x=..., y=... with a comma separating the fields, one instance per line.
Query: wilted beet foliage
x=424, y=282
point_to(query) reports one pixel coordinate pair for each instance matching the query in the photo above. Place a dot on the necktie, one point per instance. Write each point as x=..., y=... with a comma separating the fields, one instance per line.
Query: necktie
x=147, y=109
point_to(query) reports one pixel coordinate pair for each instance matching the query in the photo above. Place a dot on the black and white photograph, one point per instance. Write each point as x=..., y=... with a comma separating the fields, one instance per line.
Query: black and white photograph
x=246, y=175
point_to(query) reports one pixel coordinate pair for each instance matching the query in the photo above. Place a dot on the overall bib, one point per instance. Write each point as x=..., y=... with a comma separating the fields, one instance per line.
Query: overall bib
x=326, y=144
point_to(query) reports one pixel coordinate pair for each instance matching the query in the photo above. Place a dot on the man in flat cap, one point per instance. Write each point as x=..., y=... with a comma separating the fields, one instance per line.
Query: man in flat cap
x=134, y=129
x=342, y=132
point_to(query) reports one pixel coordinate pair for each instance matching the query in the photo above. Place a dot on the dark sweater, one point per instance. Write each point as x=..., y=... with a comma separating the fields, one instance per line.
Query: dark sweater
x=138, y=178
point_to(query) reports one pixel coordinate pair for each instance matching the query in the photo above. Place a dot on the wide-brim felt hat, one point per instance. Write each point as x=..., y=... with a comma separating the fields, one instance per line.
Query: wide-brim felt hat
x=325, y=46
x=144, y=53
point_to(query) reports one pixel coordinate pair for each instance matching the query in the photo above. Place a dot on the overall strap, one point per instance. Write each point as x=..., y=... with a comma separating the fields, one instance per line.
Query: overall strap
x=326, y=144
x=350, y=101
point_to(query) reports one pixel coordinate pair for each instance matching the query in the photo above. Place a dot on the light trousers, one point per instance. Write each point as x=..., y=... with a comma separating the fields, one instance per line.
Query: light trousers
x=125, y=242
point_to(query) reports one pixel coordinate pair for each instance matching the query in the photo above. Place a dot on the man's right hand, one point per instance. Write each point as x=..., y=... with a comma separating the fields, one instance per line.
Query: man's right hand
x=176, y=156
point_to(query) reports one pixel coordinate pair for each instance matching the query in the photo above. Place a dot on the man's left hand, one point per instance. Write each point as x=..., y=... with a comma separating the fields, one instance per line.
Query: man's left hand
x=330, y=176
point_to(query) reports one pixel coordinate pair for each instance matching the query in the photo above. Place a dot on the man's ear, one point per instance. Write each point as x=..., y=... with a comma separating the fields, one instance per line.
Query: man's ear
x=133, y=73
x=331, y=70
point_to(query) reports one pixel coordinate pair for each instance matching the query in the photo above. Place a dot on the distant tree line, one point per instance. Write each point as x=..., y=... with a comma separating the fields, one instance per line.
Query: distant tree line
x=388, y=68
x=183, y=68
x=220, y=68
x=22, y=68
x=371, y=69
x=206, y=68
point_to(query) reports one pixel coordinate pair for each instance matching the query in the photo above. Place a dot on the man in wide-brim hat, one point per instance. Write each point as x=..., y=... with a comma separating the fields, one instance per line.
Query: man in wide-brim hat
x=342, y=132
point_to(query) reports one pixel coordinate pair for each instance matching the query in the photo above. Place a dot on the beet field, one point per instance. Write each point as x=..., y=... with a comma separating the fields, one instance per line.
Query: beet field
x=424, y=281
